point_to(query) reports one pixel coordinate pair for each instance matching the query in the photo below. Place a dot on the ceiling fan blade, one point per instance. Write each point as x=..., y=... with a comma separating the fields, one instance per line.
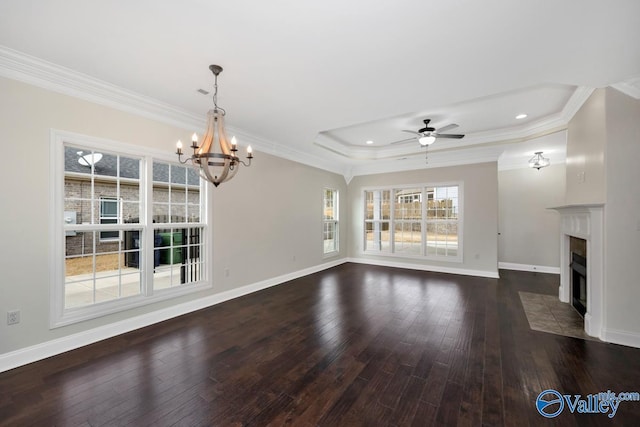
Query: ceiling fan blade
x=449, y=135
x=447, y=127
x=402, y=140
x=412, y=131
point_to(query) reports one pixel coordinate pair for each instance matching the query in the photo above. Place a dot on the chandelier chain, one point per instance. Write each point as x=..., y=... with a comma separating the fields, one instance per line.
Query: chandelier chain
x=215, y=95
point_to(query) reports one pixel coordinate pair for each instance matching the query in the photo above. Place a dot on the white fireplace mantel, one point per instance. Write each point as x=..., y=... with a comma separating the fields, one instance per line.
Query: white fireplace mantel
x=585, y=222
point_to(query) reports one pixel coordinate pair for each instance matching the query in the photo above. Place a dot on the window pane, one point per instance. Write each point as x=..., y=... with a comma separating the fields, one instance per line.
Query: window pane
x=193, y=212
x=407, y=238
x=178, y=174
x=432, y=237
x=442, y=238
x=193, y=196
x=130, y=191
x=386, y=204
x=408, y=204
x=178, y=195
x=193, y=178
x=97, y=271
x=180, y=203
x=178, y=259
x=178, y=213
x=329, y=237
x=131, y=212
x=378, y=204
x=160, y=172
x=161, y=212
x=129, y=167
x=377, y=236
x=78, y=160
x=444, y=204
x=107, y=165
x=329, y=204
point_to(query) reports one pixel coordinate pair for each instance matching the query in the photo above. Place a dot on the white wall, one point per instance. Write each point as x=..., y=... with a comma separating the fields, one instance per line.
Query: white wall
x=586, y=142
x=622, y=219
x=262, y=218
x=480, y=214
x=529, y=232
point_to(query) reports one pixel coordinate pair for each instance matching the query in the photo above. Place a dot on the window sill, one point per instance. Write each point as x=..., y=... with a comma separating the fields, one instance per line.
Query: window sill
x=80, y=314
x=457, y=259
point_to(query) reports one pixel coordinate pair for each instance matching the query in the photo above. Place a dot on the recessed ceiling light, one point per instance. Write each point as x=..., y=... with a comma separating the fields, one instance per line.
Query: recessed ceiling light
x=369, y=142
x=521, y=116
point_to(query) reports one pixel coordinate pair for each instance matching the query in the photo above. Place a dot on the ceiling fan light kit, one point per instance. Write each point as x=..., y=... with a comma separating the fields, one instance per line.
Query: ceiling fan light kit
x=428, y=135
x=426, y=140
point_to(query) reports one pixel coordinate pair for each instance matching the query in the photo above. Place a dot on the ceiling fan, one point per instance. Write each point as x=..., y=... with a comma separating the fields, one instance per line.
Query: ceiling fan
x=428, y=135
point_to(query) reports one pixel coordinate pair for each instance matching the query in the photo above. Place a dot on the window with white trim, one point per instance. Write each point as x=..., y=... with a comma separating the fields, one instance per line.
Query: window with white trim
x=330, y=220
x=129, y=228
x=414, y=221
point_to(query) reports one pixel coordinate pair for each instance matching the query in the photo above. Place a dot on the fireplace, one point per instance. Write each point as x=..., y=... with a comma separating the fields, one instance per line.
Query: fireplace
x=582, y=262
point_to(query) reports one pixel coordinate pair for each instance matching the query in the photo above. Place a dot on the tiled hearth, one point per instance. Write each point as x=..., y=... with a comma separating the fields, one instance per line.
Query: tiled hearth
x=546, y=313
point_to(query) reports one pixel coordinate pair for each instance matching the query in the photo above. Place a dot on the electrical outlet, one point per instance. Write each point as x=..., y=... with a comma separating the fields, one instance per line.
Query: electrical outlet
x=13, y=317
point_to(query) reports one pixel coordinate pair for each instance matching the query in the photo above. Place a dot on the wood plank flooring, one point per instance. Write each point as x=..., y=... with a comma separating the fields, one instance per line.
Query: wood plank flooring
x=355, y=345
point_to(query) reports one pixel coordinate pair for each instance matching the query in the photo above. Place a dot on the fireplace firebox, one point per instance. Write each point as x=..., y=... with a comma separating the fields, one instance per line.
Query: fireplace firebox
x=579, y=283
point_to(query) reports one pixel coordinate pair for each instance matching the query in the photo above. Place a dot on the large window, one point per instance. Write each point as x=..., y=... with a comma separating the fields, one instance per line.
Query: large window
x=129, y=228
x=415, y=221
x=330, y=221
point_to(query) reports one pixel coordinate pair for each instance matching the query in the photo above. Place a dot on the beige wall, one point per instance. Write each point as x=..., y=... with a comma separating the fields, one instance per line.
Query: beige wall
x=622, y=215
x=268, y=214
x=529, y=232
x=586, y=142
x=480, y=212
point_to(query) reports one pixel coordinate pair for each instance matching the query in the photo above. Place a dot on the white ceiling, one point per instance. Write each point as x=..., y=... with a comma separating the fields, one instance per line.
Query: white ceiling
x=317, y=79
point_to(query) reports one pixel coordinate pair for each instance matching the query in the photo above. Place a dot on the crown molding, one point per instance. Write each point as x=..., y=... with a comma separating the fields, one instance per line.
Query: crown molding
x=37, y=72
x=28, y=69
x=472, y=155
x=577, y=100
x=629, y=87
x=278, y=150
x=533, y=129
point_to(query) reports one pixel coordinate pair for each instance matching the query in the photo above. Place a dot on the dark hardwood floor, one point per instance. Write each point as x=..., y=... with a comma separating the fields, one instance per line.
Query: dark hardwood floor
x=353, y=345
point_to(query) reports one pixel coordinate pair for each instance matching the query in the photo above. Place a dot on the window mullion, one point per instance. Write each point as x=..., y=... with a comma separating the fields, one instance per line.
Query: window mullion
x=146, y=223
x=423, y=222
x=392, y=221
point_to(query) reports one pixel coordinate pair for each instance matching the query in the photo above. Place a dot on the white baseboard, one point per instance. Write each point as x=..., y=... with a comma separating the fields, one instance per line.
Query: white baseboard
x=528, y=267
x=614, y=336
x=423, y=267
x=46, y=349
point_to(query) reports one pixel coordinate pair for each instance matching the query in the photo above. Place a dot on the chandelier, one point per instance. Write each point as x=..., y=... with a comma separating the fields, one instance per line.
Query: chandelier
x=215, y=159
x=538, y=162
